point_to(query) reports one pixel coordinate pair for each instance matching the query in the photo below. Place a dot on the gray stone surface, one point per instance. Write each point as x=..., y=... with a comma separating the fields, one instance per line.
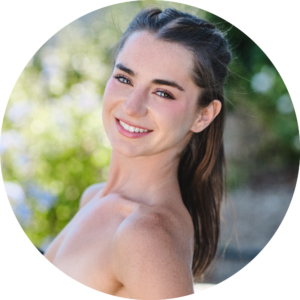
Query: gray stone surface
x=259, y=212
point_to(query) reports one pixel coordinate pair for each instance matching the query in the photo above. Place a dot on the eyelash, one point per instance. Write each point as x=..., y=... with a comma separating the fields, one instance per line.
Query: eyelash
x=118, y=77
x=168, y=94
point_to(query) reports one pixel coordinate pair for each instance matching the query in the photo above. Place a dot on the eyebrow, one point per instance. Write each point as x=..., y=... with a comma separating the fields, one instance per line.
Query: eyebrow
x=126, y=70
x=156, y=81
x=167, y=82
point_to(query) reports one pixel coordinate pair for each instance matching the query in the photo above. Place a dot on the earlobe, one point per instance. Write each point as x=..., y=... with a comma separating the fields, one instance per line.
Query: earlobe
x=206, y=116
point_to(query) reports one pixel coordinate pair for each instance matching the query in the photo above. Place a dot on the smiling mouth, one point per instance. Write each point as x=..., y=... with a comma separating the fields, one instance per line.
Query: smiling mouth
x=130, y=128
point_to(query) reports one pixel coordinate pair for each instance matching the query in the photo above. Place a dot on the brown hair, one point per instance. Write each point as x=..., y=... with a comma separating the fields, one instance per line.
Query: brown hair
x=201, y=167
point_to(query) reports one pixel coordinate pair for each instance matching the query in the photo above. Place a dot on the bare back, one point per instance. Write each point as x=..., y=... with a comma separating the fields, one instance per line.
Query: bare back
x=94, y=247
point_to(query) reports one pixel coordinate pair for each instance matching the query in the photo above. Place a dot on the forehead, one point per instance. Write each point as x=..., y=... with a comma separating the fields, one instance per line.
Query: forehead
x=144, y=53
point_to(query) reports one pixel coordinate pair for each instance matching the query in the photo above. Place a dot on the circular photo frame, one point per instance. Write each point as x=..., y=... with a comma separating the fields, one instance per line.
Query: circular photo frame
x=53, y=143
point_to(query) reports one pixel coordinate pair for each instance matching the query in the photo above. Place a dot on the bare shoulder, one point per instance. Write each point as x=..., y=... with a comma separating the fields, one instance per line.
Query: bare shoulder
x=90, y=192
x=153, y=255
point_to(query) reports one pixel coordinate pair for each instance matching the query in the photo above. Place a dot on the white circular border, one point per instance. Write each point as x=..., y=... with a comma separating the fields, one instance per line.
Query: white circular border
x=26, y=26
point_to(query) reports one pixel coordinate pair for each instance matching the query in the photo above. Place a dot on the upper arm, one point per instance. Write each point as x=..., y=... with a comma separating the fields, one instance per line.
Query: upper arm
x=151, y=264
x=90, y=192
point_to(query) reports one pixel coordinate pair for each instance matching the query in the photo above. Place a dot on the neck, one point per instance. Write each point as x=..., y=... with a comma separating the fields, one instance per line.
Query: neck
x=145, y=179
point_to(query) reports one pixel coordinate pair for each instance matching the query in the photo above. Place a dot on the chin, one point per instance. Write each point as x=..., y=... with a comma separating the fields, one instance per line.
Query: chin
x=128, y=149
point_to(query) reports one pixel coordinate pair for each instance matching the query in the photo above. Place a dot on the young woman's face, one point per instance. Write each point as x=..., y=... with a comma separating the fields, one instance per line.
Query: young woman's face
x=150, y=89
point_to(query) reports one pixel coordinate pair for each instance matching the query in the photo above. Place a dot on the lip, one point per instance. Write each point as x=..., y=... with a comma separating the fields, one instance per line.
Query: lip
x=130, y=124
x=129, y=134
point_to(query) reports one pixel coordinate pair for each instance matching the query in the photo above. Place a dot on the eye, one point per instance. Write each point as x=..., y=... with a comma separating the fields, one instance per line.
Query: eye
x=122, y=79
x=164, y=94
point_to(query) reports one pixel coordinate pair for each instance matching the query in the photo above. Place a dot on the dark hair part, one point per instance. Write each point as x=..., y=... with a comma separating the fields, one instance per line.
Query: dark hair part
x=200, y=172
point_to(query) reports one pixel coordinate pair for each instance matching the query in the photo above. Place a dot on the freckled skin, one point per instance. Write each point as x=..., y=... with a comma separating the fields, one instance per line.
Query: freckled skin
x=170, y=120
x=132, y=236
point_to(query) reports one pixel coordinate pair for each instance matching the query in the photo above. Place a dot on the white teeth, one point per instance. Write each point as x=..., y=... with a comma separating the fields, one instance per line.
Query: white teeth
x=131, y=128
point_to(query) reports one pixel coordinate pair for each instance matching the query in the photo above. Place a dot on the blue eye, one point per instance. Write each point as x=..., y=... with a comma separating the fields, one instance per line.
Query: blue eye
x=122, y=79
x=164, y=94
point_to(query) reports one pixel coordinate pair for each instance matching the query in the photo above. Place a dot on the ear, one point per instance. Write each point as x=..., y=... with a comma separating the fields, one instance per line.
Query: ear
x=206, y=116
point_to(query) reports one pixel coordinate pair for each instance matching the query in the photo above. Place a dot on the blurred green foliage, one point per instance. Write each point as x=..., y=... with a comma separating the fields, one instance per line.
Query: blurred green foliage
x=53, y=144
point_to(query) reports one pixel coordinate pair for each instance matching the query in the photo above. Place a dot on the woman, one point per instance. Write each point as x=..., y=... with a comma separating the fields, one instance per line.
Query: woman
x=154, y=224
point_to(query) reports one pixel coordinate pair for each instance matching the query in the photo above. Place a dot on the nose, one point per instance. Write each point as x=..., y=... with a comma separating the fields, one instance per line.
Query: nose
x=135, y=105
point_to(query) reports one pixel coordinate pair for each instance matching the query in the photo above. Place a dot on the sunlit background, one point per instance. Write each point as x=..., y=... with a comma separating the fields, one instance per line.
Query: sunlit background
x=53, y=144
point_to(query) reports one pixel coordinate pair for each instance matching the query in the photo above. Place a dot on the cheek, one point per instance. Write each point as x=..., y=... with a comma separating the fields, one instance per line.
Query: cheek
x=108, y=103
x=175, y=116
x=109, y=92
x=111, y=97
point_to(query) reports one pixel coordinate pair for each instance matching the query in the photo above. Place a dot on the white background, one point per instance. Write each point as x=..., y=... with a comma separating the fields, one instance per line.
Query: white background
x=26, y=26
